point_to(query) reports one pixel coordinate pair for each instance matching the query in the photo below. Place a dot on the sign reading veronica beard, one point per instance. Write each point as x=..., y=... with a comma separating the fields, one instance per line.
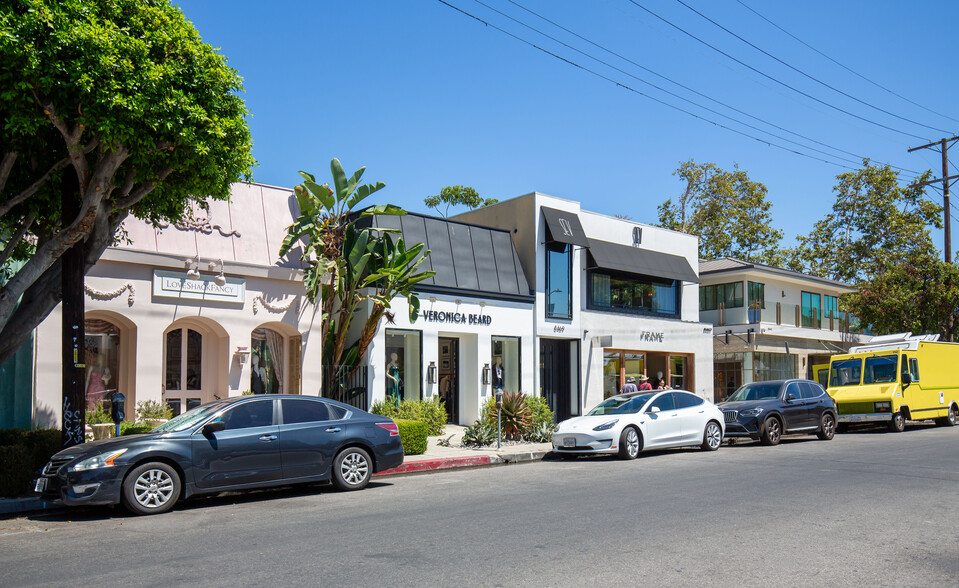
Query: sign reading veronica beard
x=167, y=284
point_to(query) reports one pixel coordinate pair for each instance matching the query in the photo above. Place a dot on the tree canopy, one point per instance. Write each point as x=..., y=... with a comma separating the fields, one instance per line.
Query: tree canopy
x=457, y=196
x=119, y=105
x=729, y=212
x=874, y=223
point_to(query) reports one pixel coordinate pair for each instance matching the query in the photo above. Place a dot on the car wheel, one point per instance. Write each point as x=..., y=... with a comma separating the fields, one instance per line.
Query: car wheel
x=772, y=431
x=629, y=443
x=151, y=488
x=898, y=423
x=352, y=469
x=950, y=420
x=828, y=428
x=712, y=436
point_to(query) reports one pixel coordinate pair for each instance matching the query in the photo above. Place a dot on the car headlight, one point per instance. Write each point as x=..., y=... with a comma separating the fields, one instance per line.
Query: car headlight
x=606, y=426
x=103, y=460
x=751, y=412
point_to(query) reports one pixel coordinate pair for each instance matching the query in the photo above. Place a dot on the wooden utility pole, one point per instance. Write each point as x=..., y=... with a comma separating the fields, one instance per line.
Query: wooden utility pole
x=944, y=147
x=71, y=281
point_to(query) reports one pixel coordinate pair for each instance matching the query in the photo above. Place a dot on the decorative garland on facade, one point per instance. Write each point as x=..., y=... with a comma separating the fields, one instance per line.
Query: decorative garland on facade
x=204, y=226
x=102, y=295
x=274, y=307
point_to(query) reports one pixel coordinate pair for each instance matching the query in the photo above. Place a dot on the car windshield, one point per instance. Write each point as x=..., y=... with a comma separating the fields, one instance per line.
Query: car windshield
x=845, y=372
x=880, y=369
x=621, y=405
x=188, y=419
x=757, y=391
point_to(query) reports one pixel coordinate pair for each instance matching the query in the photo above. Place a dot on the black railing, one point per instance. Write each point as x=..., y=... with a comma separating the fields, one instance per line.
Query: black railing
x=347, y=386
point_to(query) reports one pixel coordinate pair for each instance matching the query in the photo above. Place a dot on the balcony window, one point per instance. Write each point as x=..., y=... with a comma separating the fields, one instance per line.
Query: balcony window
x=620, y=292
x=757, y=301
x=830, y=307
x=728, y=295
x=811, y=313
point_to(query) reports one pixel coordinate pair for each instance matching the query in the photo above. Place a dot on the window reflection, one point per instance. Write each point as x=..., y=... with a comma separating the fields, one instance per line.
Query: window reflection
x=559, y=286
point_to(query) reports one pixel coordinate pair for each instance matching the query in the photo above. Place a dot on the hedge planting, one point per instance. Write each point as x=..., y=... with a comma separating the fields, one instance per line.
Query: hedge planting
x=22, y=455
x=431, y=411
x=413, y=436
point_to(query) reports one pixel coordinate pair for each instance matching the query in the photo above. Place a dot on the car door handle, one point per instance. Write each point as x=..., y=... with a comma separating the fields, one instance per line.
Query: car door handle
x=333, y=430
x=268, y=438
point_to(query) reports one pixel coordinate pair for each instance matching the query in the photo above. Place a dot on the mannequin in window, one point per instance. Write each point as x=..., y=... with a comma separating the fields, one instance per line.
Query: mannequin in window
x=258, y=376
x=98, y=378
x=393, y=381
x=498, y=373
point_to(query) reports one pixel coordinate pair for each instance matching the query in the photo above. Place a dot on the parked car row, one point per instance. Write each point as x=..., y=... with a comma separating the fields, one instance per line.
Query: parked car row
x=627, y=424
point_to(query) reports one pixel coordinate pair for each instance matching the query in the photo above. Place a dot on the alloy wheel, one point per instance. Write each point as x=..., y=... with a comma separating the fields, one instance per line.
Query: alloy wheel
x=714, y=437
x=354, y=468
x=632, y=442
x=153, y=488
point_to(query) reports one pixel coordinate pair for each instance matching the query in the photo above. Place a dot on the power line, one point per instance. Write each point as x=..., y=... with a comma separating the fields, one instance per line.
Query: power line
x=813, y=78
x=668, y=79
x=850, y=70
x=634, y=90
x=780, y=82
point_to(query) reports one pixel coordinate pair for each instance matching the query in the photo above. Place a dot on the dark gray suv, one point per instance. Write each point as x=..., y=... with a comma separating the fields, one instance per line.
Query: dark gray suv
x=233, y=444
x=765, y=411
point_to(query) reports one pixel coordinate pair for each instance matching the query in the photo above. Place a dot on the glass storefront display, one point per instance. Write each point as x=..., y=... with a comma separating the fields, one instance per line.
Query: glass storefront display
x=103, y=361
x=611, y=370
x=267, y=362
x=505, y=366
x=403, y=365
x=677, y=372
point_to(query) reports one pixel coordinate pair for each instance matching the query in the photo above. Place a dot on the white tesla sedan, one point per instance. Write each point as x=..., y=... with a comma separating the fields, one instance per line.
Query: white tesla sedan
x=629, y=423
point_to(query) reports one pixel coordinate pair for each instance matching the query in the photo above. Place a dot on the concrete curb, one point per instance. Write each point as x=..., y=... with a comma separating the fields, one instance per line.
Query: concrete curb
x=17, y=506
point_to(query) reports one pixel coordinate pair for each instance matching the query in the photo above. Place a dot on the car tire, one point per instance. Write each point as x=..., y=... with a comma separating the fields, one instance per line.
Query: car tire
x=630, y=443
x=151, y=488
x=352, y=469
x=772, y=431
x=950, y=420
x=898, y=423
x=712, y=436
x=827, y=429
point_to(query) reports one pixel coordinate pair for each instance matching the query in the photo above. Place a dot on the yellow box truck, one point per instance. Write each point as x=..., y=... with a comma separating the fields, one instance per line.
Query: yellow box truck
x=897, y=378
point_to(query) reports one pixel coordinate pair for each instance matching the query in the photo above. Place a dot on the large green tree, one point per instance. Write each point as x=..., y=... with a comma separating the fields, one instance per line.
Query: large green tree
x=456, y=196
x=350, y=264
x=119, y=105
x=875, y=222
x=727, y=211
x=919, y=294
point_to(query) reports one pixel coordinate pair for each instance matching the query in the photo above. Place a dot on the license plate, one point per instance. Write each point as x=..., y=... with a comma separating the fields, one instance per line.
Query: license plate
x=41, y=485
x=569, y=441
x=855, y=419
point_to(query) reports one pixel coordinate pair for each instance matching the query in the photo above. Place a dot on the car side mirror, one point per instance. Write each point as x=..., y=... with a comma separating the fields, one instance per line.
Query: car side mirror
x=790, y=397
x=906, y=378
x=214, y=427
x=653, y=409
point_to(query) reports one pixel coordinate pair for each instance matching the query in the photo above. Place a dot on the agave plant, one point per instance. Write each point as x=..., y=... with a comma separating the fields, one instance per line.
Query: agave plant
x=516, y=415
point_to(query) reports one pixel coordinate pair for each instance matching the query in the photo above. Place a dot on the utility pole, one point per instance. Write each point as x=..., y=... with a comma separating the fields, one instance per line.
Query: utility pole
x=944, y=148
x=71, y=281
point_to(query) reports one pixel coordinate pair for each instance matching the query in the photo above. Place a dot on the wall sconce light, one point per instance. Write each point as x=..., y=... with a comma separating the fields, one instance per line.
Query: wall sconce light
x=486, y=374
x=458, y=301
x=220, y=279
x=431, y=373
x=432, y=298
x=784, y=293
x=242, y=353
x=193, y=273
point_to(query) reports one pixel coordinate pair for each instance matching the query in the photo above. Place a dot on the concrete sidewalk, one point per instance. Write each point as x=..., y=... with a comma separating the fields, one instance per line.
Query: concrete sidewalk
x=437, y=457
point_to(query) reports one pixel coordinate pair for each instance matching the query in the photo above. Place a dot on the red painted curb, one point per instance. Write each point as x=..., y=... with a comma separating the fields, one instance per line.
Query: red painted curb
x=426, y=465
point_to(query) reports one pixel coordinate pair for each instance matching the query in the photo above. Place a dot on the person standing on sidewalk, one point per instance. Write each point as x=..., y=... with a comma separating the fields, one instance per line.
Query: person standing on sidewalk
x=630, y=386
x=644, y=385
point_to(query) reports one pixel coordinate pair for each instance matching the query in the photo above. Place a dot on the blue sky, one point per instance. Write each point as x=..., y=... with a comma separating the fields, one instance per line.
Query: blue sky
x=426, y=97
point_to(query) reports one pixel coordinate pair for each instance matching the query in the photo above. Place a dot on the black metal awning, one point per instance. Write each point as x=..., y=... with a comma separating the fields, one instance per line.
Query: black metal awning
x=635, y=260
x=565, y=227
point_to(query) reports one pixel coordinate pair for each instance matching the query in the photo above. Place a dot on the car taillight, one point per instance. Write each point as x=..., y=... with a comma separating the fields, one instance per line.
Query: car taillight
x=391, y=427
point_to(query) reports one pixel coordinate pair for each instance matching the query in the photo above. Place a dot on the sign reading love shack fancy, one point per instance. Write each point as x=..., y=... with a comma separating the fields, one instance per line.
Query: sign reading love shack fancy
x=167, y=284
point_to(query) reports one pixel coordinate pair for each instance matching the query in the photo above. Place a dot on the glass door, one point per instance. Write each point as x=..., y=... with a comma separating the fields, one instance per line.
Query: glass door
x=183, y=370
x=449, y=376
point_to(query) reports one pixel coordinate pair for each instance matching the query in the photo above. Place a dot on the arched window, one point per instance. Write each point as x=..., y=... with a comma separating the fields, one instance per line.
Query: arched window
x=102, y=360
x=268, y=370
x=183, y=371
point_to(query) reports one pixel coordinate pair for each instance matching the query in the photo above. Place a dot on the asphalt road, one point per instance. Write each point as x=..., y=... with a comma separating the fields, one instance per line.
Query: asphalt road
x=868, y=508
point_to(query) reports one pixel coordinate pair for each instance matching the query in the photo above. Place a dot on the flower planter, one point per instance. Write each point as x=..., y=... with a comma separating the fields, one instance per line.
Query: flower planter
x=103, y=431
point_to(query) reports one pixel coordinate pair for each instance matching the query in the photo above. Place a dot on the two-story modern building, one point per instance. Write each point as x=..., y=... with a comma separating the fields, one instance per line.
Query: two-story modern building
x=771, y=323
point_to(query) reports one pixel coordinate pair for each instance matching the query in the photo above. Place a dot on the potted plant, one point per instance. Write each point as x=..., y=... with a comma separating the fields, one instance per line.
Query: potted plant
x=100, y=422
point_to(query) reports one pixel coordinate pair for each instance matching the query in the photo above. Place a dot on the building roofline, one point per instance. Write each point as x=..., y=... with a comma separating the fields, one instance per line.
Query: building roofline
x=748, y=265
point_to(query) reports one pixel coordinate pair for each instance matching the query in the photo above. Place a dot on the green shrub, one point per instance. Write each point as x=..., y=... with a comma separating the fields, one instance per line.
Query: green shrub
x=431, y=411
x=537, y=420
x=128, y=428
x=151, y=409
x=98, y=415
x=413, y=435
x=42, y=444
x=480, y=433
x=540, y=433
x=516, y=416
x=16, y=470
x=540, y=410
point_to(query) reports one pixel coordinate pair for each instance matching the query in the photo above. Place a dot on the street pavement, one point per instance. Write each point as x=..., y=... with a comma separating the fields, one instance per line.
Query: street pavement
x=868, y=508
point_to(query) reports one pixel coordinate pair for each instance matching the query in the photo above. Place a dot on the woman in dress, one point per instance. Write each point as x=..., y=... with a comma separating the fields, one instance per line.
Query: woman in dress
x=393, y=380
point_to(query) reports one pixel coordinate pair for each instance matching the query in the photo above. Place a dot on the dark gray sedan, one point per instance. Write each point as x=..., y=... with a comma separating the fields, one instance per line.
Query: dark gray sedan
x=233, y=444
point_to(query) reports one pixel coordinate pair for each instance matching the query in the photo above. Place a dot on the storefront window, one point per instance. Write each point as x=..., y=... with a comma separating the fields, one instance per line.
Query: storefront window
x=677, y=372
x=505, y=368
x=403, y=360
x=773, y=366
x=103, y=361
x=559, y=280
x=634, y=294
x=634, y=365
x=174, y=354
x=611, y=369
x=267, y=361
x=183, y=371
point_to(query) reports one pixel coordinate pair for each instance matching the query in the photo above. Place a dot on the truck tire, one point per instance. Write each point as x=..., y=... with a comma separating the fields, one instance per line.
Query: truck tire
x=950, y=420
x=898, y=423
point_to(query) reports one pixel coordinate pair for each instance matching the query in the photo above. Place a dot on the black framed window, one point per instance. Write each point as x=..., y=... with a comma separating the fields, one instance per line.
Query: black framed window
x=620, y=292
x=730, y=295
x=559, y=280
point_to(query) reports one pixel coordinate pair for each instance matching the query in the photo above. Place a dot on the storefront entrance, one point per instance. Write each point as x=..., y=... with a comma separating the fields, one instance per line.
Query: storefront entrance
x=449, y=355
x=559, y=376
